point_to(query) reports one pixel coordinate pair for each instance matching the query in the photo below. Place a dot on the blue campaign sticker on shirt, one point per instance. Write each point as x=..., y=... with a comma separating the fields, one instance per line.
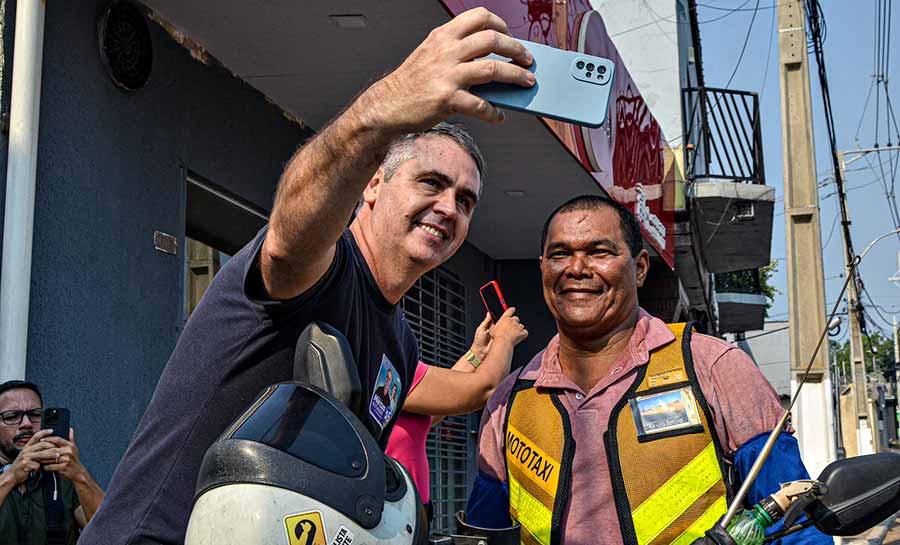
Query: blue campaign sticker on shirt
x=386, y=395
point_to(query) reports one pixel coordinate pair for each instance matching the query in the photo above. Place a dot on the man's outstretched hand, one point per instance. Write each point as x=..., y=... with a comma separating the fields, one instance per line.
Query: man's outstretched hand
x=433, y=83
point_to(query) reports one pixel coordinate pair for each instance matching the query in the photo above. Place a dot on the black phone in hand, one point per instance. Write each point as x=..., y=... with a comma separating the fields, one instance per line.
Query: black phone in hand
x=56, y=419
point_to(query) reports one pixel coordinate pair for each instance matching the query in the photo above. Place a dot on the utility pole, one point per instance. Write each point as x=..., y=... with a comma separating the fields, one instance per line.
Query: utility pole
x=806, y=279
x=896, y=358
x=865, y=438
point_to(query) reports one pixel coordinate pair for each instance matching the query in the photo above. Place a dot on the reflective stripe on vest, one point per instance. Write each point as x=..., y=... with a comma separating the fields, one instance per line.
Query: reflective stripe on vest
x=667, y=483
x=706, y=521
x=667, y=478
x=680, y=492
x=531, y=513
x=538, y=450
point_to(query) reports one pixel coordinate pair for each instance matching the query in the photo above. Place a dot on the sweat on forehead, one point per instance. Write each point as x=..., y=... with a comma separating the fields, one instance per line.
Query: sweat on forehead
x=403, y=148
x=631, y=230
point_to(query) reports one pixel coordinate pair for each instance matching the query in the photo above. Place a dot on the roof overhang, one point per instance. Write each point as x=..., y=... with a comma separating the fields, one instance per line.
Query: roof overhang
x=308, y=65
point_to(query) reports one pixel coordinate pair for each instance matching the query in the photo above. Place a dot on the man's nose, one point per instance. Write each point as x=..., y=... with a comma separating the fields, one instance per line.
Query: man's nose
x=577, y=266
x=446, y=204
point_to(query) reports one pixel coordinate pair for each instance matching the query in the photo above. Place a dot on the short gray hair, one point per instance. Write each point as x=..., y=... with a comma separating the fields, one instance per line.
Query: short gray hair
x=401, y=149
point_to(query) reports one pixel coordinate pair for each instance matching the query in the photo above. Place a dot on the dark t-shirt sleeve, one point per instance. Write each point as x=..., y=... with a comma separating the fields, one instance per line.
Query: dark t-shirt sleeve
x=254, y=288
x=237, y=342
x=348, y=273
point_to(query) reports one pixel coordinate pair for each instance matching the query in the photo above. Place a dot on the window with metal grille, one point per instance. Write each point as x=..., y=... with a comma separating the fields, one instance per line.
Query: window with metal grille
x=436, y=311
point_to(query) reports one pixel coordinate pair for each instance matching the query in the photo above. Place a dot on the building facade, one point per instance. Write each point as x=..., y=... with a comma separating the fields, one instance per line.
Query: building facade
x=164, y=126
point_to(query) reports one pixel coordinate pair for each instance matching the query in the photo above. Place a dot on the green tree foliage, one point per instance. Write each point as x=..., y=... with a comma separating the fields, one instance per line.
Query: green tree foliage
x=765, y=283
x=883, y=356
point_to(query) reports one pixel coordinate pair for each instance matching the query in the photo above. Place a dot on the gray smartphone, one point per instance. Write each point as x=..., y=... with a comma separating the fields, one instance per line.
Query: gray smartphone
x=569, y=86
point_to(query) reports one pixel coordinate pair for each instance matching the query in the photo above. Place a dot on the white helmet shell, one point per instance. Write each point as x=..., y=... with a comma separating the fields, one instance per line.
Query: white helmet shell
x=298, y=468
x=239, y=514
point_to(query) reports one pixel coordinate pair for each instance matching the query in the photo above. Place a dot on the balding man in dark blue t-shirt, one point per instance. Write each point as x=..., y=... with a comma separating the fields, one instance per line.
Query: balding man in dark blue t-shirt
x=419, y=184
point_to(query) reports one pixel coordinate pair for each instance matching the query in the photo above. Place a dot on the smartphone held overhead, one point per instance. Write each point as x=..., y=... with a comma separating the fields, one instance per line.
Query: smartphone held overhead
x=569, y=86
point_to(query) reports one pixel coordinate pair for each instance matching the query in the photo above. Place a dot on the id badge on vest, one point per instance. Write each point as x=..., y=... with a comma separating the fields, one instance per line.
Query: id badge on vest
x=664, y=414
x=387, y=393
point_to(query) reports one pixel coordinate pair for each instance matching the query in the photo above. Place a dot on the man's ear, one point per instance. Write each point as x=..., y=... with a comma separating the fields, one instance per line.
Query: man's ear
x=641, y=267
x=370, y=193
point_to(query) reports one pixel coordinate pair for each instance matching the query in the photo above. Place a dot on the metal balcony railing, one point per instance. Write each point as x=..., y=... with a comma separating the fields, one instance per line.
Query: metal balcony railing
x=722, y=135
x=745, y=281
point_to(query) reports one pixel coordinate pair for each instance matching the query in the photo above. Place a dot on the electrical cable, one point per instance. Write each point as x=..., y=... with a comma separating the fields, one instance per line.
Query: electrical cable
x=891, y=202
x=875, y=307
x=744, y=47
x=719, y=8
x=666, y=19
x=865, y=108
x=815, y=20
x=772, y=26
x=769, y=332
x=837, y=214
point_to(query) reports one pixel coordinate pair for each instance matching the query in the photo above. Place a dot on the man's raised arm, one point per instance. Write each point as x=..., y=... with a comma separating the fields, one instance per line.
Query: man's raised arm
x=324, y=180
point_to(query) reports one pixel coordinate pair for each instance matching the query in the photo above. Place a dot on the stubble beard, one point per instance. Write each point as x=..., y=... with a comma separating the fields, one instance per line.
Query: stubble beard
x=9, y=451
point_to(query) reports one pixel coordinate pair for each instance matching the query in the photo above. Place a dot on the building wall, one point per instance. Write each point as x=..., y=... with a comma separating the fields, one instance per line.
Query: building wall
x=770, y=349
x=520, y=280
x=647, y=37
x=106, y=308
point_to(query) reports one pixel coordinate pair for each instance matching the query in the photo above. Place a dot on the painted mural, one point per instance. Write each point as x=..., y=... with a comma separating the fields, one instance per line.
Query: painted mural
x=628, y=156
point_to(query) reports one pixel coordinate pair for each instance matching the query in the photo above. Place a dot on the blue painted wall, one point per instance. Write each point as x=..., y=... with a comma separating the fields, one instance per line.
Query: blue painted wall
x=106, y=308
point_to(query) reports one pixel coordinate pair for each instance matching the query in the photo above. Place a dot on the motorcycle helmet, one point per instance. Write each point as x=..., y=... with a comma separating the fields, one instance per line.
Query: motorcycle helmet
x=299, y=468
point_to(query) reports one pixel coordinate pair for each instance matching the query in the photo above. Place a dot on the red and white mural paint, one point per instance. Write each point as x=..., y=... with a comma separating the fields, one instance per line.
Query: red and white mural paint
x=628, y=156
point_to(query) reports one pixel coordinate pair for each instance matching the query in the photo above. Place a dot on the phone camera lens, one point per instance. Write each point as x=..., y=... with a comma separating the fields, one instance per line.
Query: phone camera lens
x=601, y=69
x=587, y=74
x=590, y=67
x=579, y=65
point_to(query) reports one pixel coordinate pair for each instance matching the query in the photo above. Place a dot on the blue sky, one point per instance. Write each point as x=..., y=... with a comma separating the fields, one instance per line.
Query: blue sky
x=849, y=52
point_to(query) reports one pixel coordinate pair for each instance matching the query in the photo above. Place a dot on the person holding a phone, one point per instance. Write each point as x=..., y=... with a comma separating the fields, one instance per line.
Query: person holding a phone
x=437, y=392
x=624, y=424
x=46, y=493
x=417, y=181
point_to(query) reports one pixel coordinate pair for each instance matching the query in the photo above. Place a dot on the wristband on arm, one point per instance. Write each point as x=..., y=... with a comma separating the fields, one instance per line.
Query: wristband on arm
x=472, y=358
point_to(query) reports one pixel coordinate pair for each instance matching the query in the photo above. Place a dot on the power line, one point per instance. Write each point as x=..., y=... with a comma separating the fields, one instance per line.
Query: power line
x=769, y=332
x=673, y=21
x=837, y=214
x=744, y=47
x=865, y=108
x=816, y=21
x=772, y=26
x=732, y=10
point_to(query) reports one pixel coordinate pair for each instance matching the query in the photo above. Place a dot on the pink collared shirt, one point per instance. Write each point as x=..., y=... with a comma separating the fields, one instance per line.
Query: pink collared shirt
x=742, y=402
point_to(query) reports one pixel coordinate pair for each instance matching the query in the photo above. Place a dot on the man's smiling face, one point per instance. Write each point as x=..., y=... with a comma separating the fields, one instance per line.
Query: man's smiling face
x=589, y=276
x=423, y=211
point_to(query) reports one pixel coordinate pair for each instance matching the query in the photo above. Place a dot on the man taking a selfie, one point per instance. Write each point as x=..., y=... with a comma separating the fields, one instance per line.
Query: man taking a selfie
x=419, y=181
x=46, y=493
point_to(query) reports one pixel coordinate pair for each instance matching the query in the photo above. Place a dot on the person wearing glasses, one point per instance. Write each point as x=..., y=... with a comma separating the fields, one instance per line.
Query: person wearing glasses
x=46, y=493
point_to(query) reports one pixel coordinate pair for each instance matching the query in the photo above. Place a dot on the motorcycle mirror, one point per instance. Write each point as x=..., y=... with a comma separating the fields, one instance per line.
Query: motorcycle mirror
x=323, y=359
x=862, y=492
